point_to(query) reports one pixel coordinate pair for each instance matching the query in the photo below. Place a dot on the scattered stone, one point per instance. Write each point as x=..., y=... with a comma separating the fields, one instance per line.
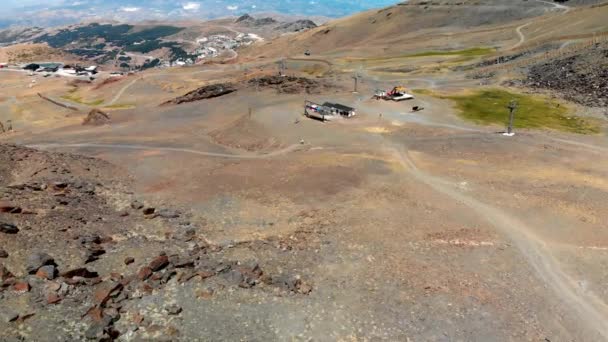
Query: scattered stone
x=3, y=254
x=292, y=283
x=53, y=298
x=7, y=315
x=137, y=318
x=168, y=213
x=189, y=234
x=93, y=252
x=37, y=260
x=97, y=331
x=104, y=292
x=173, y=309
x=149, y=211
x=53, y=287
x=80, y=272
x=206, y=293
x=60, y=185
x=22, y=287
x=47, y=272
x=137, y=205
x=112, y=313
x=144, y=273
x=8, y=228
x=8, y=207
x=159, y=263
x=88, y=239
x=304, y=288
x=129, y=260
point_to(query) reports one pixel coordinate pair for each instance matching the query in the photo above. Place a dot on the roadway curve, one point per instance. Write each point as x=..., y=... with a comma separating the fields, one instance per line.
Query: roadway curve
x=518, y=30
x=591, y=310
x=121, y=91
x=291, y=148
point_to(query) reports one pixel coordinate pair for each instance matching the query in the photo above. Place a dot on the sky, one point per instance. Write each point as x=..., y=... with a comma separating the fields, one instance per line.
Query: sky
x=47, y=13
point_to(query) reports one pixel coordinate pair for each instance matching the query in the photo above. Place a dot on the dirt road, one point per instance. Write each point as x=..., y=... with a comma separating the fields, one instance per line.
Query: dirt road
x=122, y=91
x=518, y=30
x=592, y=311
x=291, y=148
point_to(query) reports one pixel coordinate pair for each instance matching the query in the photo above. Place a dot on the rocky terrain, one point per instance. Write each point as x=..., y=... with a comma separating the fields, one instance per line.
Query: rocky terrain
x=79, y=255
x=582, y=78
x=283, y=84
x=291, y=84
x=225, y=214
x=203, y=93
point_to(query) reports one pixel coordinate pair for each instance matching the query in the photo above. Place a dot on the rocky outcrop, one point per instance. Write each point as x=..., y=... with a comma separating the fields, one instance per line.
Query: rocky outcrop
x=96, y=118
x=582, y=78
x=290, y=84
x=296, y=26
x=248, y=20
x=203, y=93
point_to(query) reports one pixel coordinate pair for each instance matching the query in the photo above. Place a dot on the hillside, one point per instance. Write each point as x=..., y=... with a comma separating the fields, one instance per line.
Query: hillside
x=414, y=26
x=430, y=171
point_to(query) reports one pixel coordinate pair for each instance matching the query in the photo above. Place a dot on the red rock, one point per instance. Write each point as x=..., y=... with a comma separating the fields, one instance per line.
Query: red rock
x=95, y=313
x=53, y=298
x=103, y=293
x=144, y=273
x=137, y=319
x=8, y=207
x=94, y=281
x=145, y=287
x=159, y=263
x=46, y=272
x=204, y=294
x=21, y=286
x=54, y=286
x=127, y=280
x=205, y=274
x=80, y=272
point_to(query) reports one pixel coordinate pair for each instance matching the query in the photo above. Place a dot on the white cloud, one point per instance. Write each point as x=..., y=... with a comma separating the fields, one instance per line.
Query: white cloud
x=191, y=6
x=232, y=8
x=129, y=9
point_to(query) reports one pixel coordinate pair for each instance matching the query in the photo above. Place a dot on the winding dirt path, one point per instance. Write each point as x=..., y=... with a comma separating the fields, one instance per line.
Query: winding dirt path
x=288, y=149
x=591, y=310
x=122, y=91
x=518, y=30
x=522, y=37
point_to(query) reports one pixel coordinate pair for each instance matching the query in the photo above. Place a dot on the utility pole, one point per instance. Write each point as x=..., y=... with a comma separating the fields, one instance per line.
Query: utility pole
x=282, y=67
x=250, y=112
x=356, y=78
x=513, y=105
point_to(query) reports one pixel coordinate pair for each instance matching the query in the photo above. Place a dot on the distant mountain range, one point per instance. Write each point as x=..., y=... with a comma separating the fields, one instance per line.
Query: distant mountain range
x=62, y=12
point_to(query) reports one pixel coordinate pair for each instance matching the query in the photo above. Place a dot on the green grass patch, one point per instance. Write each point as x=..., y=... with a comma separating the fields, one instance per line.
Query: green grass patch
x=490, y=107
x=77, y=99
x=422, y=91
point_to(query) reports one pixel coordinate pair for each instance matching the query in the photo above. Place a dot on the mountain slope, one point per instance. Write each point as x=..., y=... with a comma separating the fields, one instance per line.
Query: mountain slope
x=407, y=27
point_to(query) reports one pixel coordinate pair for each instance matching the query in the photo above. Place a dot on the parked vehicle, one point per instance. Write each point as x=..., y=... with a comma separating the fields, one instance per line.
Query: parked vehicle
x=398, y=93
